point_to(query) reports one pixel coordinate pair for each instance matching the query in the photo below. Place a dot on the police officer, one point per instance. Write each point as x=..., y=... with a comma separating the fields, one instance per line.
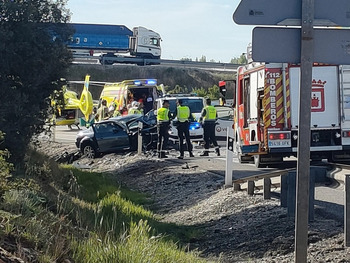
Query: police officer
x=184, y=117
x=208, y=119
x=163, y=123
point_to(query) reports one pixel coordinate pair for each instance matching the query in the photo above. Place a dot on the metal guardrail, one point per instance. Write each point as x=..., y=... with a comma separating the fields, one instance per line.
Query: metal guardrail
x=262, y=176
x=164, y=62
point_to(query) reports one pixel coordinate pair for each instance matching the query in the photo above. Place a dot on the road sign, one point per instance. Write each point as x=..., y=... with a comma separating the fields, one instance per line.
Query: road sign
x=274, y=44
x=274, y=12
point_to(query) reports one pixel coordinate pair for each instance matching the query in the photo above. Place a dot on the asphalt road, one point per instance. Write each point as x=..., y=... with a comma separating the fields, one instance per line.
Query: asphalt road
x=213, y=163
x=329, y=200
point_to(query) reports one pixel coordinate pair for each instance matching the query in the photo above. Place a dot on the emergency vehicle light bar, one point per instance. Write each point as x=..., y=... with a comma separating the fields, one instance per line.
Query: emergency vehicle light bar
x=140, y=82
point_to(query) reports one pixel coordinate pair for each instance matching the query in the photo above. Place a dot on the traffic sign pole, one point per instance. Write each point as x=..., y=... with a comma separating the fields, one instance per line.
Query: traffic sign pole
x=229, y=157
x=303, y=165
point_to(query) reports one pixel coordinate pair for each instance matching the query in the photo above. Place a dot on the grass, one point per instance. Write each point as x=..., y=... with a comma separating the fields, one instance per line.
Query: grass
x=66, y=213
x=95, y=186
x=138, y=245
x=109, y=195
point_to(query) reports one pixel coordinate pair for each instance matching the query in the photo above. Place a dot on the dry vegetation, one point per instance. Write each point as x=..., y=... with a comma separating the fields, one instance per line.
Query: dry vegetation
x=169, y=76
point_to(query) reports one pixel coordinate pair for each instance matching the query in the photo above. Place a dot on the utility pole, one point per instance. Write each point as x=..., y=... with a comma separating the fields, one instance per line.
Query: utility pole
x=303, y=166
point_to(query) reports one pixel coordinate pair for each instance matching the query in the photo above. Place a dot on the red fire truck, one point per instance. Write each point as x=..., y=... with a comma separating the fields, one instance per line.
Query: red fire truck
x=267, y=106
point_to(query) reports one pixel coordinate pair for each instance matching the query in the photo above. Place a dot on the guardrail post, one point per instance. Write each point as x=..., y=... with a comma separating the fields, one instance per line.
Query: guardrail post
x=54, y=133
x=267, y=188
x=347, y=211
x=284, y=190
x=250, y=187
x=291, y=196
x=139, y=138
x=237, y=187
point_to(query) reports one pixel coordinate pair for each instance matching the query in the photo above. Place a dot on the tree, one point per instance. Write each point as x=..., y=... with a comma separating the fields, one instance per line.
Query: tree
x=33, y=57
x=240, y=60
x=201, y=92
x=179, y=90
x=5, y=167
x=203, y=59
x=214, y=92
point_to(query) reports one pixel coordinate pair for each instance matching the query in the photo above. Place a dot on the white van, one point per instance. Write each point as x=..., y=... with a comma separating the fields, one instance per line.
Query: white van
x=195, y=104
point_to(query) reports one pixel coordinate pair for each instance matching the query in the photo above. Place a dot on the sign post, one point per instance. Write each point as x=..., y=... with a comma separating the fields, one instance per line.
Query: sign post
x=229, y=157
x=303, y=165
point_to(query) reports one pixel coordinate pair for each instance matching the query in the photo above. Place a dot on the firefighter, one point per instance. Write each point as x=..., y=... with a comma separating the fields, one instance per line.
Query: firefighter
x=208, y=120
x=102, y=112
x=163, y=124
x=184, y=117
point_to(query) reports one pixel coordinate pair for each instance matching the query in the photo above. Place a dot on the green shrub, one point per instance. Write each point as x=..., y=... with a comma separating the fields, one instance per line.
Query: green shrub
x=34, y=225
x=5, y=167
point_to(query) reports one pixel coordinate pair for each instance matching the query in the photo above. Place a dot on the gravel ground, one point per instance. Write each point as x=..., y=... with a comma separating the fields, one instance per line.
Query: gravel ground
x=235, y=227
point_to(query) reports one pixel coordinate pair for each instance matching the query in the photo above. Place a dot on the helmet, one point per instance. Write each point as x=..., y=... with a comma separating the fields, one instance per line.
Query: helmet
x=134, y=104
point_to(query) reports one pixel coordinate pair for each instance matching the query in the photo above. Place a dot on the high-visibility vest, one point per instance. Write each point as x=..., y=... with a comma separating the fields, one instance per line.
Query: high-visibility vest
x=163, y=115
x=134, y=111
x=116, y=113
x=210, y=113
x=183, y=113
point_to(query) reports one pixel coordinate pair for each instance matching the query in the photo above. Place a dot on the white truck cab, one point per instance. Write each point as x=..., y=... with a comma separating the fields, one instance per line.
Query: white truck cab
x=145, y=43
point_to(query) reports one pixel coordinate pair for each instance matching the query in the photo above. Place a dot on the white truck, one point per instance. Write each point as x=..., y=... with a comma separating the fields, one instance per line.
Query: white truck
x=116, y=43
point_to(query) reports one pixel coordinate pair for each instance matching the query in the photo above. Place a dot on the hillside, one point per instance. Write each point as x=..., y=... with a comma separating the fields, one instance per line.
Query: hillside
x=169, y=76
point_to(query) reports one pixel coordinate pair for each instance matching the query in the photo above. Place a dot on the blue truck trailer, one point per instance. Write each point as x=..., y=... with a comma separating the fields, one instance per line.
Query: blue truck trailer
x=116, y=43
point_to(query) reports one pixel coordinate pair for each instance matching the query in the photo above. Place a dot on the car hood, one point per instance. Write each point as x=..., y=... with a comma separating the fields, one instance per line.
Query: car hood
x=83, y=133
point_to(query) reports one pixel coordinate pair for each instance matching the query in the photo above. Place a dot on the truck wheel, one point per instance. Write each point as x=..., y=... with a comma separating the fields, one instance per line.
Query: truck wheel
x=242, y=158
x=89, y=151
x=239, y=156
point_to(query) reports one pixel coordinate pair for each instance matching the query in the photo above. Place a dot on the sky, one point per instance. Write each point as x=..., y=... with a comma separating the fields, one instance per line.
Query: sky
x=188, y=28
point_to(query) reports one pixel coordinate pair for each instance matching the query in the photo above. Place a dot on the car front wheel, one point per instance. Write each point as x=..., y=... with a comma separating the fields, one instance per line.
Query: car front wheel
x=89, y=151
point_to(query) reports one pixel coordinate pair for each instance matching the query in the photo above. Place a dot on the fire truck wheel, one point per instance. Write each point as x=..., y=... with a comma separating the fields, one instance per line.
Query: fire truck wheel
x=242, y=158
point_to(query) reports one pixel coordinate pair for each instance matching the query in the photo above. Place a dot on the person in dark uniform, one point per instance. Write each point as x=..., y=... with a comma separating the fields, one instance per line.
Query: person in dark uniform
x=208, y=120
x=163, y=123
x=184, y=117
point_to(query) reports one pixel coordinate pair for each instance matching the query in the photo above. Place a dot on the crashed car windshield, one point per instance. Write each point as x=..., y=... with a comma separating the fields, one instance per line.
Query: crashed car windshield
x=149, y=119
x=195, y=105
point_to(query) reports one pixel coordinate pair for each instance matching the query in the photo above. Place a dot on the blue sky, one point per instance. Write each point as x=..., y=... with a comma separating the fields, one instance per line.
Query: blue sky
x=189, y=28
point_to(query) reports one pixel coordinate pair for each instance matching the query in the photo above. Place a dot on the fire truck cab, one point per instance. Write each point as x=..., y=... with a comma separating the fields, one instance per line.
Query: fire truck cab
x=267, y=112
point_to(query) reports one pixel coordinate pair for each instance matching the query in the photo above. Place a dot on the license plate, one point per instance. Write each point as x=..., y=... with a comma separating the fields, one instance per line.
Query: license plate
x=279, y=143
